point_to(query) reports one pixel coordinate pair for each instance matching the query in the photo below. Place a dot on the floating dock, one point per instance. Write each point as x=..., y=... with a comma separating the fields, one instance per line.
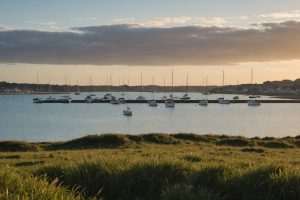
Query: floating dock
x=179, y=101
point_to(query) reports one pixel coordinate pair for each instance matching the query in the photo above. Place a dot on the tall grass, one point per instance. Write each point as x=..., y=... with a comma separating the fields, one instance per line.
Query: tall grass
x=165, y=179
x=17, y=186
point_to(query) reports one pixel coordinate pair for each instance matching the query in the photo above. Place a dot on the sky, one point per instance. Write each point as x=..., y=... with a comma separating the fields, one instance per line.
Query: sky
x=122, y=39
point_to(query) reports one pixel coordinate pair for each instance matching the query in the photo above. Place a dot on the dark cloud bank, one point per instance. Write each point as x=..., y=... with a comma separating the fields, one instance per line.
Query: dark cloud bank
x=132, y=45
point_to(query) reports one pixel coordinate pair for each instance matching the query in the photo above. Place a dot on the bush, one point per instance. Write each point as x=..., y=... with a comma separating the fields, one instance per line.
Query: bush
x=159, y=138
x=193, y=137
x=17, y=146
x=94, y=141
x=254, y=150
x=277, y=144
x=238, y=142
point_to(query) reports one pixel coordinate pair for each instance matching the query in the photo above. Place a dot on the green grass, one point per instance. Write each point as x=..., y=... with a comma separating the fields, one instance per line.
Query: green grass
x=14, y=185
x=155, y=166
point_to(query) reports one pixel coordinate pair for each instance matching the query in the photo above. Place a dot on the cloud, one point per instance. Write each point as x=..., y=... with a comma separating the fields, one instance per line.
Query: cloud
x=3, y=27
x=175, y=21
x=290, y=15
x=135, y=45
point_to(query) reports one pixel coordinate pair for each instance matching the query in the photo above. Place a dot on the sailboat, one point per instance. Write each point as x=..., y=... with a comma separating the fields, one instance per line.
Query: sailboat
x=141, y=97
x=253, y=102
x=66, y=98
x=77, y=92
x=90, y=98
x=107, y=96
x=222, y=100
x=164, y=97
x=169, y=102
x=114, y=100
x=204, y=102
x=122, y=98
x=186, y=96
x=236, y=97
x=152, y=102
x=37, y=99
x=127, y=111
x=50, y=98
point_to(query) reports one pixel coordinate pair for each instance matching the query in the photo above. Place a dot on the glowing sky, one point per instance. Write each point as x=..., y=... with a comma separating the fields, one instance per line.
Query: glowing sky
x=121, y=39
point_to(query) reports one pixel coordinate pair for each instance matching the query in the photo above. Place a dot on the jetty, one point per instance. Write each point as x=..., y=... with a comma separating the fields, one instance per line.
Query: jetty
x=176, y=101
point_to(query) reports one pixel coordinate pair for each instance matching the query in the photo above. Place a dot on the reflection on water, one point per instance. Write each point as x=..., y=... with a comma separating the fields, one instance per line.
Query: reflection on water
x=23, y=120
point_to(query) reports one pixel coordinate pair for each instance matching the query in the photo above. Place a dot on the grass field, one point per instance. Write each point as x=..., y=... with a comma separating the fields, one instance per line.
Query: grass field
x=152, y=166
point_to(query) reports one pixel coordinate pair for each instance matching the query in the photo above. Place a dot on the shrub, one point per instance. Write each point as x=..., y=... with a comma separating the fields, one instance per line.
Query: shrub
x=255, y=150
x=238, y=142
x=193, y=137
x=17, y=146
x=277, y=144
x=94, y=141
x=159, y=138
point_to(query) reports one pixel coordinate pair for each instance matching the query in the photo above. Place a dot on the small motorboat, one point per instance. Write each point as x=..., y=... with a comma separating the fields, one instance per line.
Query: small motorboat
x=223, y=101
x=122, y=100
x=185, y=97
x=254, y=96
x=152, y=103
x=169, y=103
x=140, y=98
x=254, y=103
x=127, y=112
x=114, y=101
x=203, y=102
x=37, y=100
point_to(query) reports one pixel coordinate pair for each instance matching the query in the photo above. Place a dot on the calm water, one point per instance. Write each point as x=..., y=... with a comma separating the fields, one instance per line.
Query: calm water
x=22, y=120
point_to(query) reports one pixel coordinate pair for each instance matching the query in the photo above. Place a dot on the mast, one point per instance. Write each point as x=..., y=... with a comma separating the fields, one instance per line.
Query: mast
x=251, y=76
x=223, y=83
x=90, y=80
x=141, y=84
x=172, y=81
x=38, y=82
x=77, y=86
x=153, y=87
x=164, y=86
x=106, y=84
x=67, y=87
x=50, y=91
x=128, y=88
x=187, y=83
x=203, y=84
x=119, y=88
x=110, y=82
x=206, y=87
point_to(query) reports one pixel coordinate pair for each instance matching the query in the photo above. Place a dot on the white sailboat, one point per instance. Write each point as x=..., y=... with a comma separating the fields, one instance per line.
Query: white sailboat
x=186, y=95
x=164, y=97
x=141, y=97
x=204, y=102
x=127, y=111
x=254, y=101
x=50, y=98
x=223, y=100
x=152, y=102
x=37, y=99
x=78, y=91
x=170, y=102
x=122, y=99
